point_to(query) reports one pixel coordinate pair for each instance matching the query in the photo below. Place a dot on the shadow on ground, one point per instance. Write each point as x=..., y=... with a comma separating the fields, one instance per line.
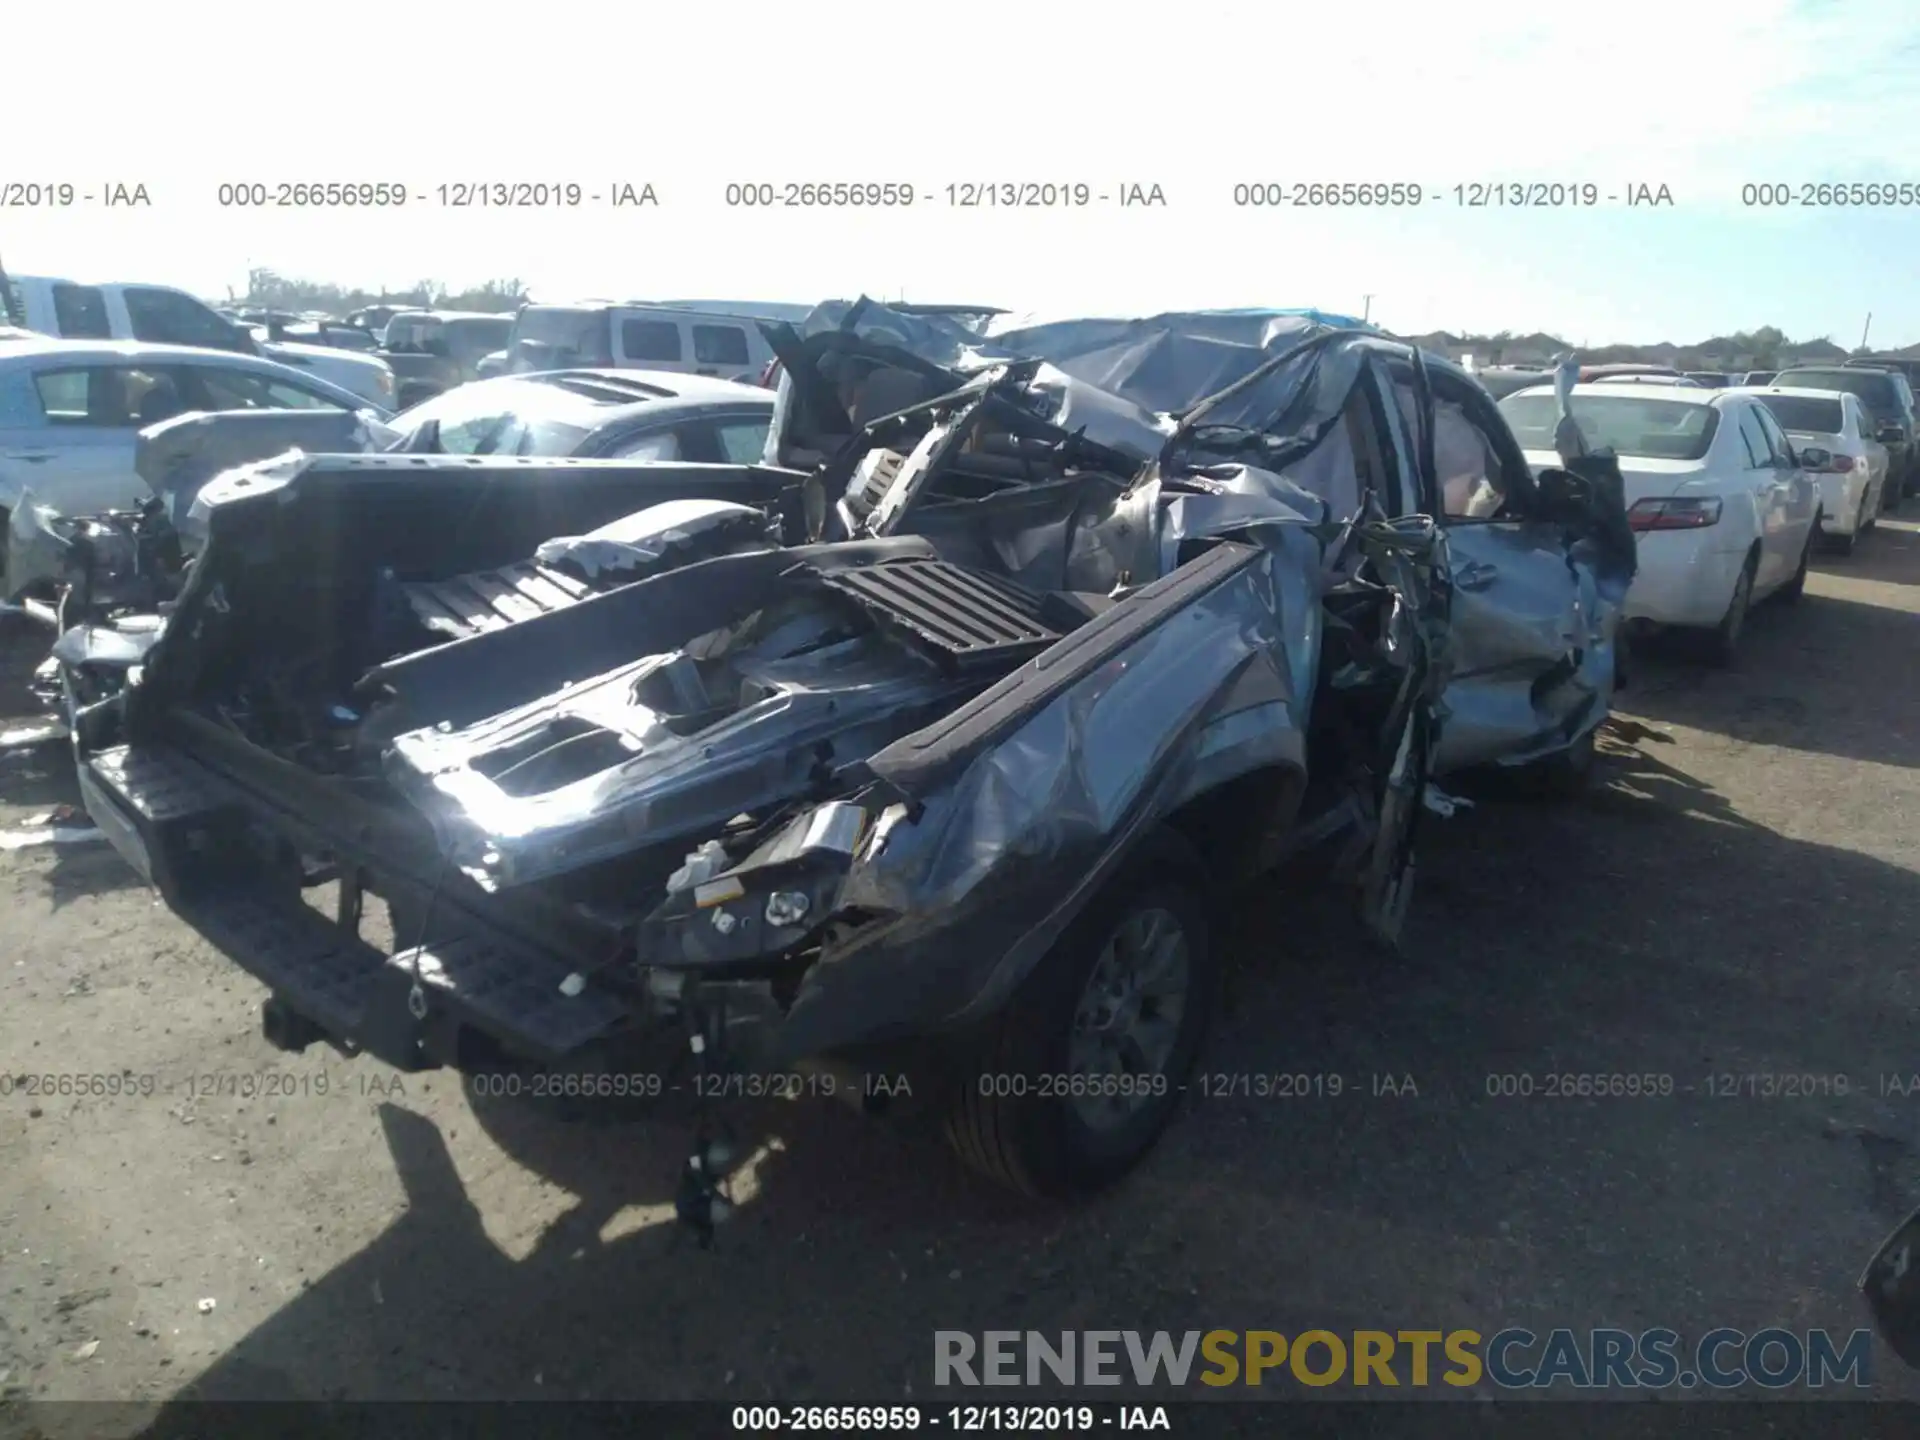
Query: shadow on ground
x=38, y=792
x=1798, y=682
x=1889, y=554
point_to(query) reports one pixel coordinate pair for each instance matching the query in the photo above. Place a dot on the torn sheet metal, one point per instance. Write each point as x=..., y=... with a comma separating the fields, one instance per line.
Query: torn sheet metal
x=773, y=683
x=637, y=543
x=41, y=546
x=177, y=457
x=1022, y=799
x=944, y=339
x=1539, y=569
x=1013, y=811
x=67, y=570
x=1173, y=361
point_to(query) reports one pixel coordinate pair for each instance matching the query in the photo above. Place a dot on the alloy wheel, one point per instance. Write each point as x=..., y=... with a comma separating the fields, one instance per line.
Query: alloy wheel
x=1128, y=1018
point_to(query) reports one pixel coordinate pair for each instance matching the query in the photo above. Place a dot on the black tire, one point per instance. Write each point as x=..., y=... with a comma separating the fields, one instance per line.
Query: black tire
x=1791, y=592
x=1039, y=1142
x=1723, y=641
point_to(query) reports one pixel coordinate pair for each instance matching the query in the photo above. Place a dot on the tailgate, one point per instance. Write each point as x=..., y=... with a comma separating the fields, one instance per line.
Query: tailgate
x=178, y=824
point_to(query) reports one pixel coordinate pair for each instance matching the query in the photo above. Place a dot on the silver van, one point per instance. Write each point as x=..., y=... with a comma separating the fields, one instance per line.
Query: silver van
x=632, y=336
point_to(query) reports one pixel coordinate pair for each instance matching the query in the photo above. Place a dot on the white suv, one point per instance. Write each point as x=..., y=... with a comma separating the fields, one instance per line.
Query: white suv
x=603, y=335
x=161, y=315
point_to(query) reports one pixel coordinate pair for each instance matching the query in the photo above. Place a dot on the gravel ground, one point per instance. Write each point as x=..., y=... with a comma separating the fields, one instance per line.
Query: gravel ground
x=1737, y=895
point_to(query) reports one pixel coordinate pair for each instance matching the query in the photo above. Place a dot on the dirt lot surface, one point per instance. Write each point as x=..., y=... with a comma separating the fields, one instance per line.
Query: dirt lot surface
x=1737, y=896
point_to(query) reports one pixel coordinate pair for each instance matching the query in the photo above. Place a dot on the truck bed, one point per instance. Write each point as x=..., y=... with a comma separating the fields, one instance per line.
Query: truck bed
x=493, y=599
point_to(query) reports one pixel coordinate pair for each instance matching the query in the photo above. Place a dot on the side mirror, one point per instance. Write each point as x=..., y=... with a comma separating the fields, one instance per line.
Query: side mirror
x=1891, y=1286
x=1815, y=457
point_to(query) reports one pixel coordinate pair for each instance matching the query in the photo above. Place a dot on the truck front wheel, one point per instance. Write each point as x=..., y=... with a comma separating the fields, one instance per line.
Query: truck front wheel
x=1084, y=1068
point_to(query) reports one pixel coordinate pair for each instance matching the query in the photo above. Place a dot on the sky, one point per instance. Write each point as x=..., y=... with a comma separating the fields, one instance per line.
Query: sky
x=1701, y=97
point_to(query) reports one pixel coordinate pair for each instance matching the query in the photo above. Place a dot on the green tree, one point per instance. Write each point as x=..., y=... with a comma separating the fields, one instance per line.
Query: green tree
x=269, y=289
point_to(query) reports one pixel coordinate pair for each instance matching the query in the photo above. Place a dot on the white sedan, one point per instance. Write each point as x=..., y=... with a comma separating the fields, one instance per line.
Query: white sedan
x=72, y=410
x=1724, y=506
x=1854, y=480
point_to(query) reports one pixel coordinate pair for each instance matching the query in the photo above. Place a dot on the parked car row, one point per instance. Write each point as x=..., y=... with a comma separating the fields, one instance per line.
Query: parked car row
x=431, y=351
x=1886, y=394
x=161, y=315
x=1731, y=485
x=633, y=335
x=1728, y=490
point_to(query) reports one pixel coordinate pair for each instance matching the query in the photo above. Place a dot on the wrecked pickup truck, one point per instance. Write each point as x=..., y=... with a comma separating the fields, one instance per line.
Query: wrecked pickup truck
x=927, y=752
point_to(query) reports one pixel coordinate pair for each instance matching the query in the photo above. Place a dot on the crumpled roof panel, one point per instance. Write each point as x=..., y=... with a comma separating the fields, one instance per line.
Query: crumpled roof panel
x=1169, y=362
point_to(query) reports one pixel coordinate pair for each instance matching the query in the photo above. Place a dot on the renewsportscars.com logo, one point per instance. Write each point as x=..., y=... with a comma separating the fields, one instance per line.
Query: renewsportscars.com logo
x=1513, y=1359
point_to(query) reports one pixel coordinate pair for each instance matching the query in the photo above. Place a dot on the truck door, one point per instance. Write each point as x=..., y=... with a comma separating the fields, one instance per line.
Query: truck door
x=1528, y=668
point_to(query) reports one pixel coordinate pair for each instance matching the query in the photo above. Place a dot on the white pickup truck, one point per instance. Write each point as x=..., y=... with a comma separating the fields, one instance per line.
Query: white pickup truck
x=163, y=315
